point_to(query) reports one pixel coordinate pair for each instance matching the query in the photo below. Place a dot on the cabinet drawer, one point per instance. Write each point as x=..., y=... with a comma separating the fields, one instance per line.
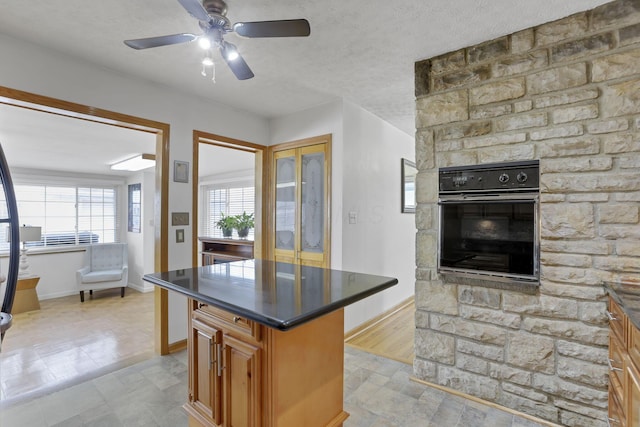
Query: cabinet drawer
x=231, y=323
x=617, y=321
x=616, y=415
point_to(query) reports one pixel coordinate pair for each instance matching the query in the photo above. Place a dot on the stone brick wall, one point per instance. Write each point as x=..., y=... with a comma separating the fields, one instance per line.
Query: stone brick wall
x=566, y=93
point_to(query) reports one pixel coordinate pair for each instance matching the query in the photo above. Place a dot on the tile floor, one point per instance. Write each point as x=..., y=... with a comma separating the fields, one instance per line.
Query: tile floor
x=378, y=393
x=70, y=364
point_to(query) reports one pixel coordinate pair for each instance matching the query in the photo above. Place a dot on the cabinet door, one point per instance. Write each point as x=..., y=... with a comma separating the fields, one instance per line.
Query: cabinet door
x=205, y=371
x=241, y=384
x=301, y=229
x=632, y=385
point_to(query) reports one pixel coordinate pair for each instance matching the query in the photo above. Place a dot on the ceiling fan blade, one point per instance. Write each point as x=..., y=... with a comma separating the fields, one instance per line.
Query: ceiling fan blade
x=160, y=41
x=237, y=65
x=283, y=28
x=195, y=9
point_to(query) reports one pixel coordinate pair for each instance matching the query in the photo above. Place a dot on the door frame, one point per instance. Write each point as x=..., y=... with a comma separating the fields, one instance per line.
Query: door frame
x=18, y=98
x=259, y=179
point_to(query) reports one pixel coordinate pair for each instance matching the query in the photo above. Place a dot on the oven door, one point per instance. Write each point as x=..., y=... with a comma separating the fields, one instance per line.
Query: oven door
x=494, y=236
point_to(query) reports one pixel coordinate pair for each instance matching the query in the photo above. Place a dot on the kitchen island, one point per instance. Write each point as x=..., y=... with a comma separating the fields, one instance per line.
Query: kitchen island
x=266, y=341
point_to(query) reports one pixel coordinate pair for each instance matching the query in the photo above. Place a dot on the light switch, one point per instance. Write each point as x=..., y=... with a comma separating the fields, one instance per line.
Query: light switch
x=353, y=217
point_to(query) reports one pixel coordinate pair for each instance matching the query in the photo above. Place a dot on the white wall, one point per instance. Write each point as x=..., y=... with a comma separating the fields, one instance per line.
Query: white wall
x=141, y=245
x=70, y=79
x=365, y=178
x=382, y=239
x=57, y=272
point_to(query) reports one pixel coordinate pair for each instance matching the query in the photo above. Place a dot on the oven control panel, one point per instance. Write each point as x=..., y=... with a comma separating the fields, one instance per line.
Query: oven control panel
x=516, y=176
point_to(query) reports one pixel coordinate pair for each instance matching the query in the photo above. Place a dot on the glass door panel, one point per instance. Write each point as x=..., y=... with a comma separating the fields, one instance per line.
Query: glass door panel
x=313, y=195
x=285, y=202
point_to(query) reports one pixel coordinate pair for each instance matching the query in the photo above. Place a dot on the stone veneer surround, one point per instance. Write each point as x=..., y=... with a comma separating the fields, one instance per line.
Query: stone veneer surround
x=566, y=93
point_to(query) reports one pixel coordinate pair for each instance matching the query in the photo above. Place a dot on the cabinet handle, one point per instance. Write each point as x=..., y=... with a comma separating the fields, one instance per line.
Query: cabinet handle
x=236, y=319
x=612, y=420
x=610, y=362
x=210, y=353
x=201, y=304
x=219, y=358
x=610, y=315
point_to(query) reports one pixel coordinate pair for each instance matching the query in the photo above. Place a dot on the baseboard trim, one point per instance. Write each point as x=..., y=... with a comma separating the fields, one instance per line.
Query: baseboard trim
x=178, y=346
x=485, y=402
x=141, y=288
x=374, y=321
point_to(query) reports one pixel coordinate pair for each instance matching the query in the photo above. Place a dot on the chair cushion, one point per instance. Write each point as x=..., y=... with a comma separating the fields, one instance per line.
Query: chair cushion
x=107, y=256
x=102, y=276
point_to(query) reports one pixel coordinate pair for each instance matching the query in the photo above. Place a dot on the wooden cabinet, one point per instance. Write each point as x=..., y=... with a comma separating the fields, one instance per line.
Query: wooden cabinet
x=301, y=203
x=243, y=374
x=215, y=251
x=224, y=376
x=624, y=369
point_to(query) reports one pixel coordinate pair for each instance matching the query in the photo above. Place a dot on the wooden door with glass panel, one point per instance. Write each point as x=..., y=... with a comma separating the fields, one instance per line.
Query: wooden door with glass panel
x=301, y=226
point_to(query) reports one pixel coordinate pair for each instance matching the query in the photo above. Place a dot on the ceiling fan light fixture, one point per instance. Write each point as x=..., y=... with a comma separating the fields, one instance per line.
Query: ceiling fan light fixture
x=212, y=20
x=207, y=61
x=204, y=42
x=230, y=52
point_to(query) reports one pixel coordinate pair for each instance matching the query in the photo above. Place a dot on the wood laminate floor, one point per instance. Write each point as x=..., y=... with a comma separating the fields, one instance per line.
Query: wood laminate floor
x=67, y=341
x=391, y=337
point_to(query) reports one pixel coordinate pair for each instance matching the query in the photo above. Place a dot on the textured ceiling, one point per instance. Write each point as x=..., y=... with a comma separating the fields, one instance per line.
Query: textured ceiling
x=361, y=50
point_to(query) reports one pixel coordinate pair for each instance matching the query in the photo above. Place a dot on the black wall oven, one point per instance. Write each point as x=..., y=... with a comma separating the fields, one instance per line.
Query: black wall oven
x=489, y=221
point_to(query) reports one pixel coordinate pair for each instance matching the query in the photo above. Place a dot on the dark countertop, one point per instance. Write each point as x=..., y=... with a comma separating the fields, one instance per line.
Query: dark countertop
x=278, y=295
x=627, y=295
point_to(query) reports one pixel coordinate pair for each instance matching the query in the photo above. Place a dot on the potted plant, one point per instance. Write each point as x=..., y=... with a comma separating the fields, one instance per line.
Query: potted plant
x=244, y=223
x=226, y=224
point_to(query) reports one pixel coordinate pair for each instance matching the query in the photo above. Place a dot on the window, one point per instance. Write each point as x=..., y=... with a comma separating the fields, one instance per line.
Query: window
x=135, y=208
x=68, y=215
x=228, y=199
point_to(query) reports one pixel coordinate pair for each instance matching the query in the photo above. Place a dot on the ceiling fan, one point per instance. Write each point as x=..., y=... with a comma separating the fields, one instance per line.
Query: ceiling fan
x=211, y=15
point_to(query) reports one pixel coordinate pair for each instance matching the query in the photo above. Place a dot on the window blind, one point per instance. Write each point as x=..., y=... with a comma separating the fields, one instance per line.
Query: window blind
x=229, y=199
x=68, y=215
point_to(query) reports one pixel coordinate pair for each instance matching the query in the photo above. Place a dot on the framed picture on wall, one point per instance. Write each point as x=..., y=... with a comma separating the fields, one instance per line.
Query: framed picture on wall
x=180, y=171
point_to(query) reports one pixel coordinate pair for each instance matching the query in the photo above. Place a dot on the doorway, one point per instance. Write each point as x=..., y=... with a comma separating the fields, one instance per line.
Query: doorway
x=225, y=166
x=41, y=103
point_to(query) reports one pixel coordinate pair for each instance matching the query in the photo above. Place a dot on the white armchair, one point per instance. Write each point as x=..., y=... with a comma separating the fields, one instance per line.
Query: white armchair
x=105, y=266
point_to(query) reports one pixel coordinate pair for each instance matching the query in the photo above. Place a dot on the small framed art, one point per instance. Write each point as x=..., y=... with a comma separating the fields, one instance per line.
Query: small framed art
x=180, y=171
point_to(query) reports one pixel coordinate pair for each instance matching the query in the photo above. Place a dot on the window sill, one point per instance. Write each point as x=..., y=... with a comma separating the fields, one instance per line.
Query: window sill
x=49, y=250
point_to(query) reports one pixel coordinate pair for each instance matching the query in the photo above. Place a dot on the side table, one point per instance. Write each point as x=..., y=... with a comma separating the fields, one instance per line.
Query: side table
x=26, y=297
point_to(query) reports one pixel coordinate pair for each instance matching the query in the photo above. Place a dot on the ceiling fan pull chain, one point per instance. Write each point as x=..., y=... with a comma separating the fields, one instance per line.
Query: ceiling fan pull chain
x=204, y=71
x=213, y=72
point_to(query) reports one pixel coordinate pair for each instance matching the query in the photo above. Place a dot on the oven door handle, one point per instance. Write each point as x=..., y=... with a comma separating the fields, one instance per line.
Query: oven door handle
x=493, y=198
